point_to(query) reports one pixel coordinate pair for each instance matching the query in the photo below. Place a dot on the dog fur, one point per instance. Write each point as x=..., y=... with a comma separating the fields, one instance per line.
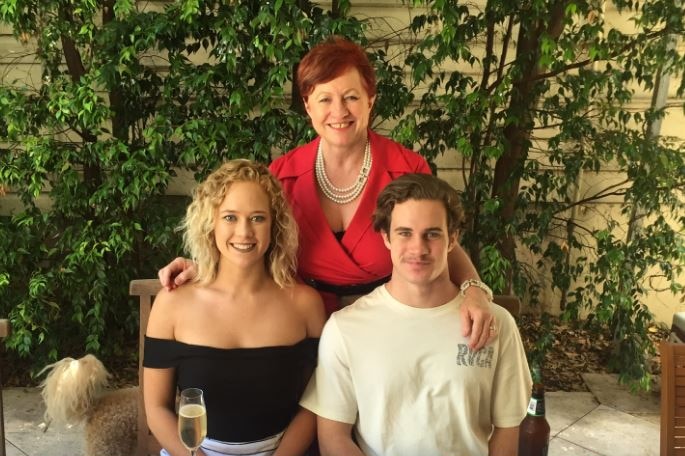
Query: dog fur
x=74, y=392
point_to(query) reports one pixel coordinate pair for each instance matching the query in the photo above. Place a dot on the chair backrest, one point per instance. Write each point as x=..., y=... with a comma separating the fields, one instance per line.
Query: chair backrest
x=672, y=398
x=509, y=302
x=146, y=290
x=4, y=332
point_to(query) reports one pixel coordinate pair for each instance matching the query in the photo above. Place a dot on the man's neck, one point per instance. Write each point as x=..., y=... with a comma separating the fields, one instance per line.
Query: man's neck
x=426, y=295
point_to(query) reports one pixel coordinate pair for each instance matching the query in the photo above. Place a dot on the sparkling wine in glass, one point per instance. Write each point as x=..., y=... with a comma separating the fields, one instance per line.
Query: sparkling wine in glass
x=192, y=419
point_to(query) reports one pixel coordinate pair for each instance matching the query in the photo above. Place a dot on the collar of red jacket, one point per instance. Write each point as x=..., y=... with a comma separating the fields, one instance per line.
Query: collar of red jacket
x=301, y=160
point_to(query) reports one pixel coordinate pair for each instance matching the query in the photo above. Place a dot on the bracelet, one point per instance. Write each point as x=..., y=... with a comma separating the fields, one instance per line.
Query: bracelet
x=475, y=283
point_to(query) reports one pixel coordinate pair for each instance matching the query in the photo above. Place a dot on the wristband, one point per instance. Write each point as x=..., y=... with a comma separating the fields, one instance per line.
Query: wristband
x=475, y=283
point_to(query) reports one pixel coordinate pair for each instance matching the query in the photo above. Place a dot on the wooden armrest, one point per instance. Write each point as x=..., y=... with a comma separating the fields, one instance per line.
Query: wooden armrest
x=145, y=290
x=672, y=432
x=4, y=328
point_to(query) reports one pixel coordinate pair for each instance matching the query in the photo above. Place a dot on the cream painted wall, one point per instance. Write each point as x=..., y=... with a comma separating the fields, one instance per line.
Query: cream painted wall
x=389, y=28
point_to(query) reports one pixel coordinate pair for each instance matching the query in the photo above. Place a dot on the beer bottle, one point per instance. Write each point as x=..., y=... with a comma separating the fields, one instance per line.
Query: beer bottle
x=534, y=429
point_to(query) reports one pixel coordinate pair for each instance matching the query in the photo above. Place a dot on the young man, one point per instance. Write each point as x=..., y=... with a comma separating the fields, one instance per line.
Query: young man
x=392, y=369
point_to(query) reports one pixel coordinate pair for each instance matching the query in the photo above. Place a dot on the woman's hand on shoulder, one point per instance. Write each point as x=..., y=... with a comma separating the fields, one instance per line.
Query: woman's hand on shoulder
x=308, y=301
x=477, y=319
x=176, y=273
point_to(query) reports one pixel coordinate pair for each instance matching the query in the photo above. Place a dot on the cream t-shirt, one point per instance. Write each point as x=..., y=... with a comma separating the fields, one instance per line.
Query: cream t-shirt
x=406, y=379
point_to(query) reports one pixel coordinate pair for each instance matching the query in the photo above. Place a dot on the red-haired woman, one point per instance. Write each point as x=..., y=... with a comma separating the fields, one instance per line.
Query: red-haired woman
x=332, y=184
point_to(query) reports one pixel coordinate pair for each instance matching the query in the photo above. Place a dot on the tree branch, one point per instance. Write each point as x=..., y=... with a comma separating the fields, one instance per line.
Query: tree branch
x=598, y=196
x=585, y=62
x=71, y=53
x=505, y=46
x=489, y=44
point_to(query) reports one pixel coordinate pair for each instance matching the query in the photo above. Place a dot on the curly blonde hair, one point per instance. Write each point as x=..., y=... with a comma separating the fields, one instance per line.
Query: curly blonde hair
x=198, y=224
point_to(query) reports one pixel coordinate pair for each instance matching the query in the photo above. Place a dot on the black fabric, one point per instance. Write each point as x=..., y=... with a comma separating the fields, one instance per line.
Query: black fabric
x=250, y=393
x=346, y=290
x=339, y=235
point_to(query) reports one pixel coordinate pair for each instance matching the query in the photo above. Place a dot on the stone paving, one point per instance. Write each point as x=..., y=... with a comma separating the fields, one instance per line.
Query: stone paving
x=607, y=421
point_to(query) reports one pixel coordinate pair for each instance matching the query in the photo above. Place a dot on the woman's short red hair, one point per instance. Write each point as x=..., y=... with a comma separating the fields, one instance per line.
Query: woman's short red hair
x=330, y=59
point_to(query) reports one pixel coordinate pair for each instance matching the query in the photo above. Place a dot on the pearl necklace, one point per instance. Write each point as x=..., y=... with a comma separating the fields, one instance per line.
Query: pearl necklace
x=342, y=195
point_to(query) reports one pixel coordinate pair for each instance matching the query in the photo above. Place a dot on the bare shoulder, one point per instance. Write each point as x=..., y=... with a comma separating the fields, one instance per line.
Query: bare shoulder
x=165, y=300
x=306, y=298
x=309, y=304
x=166, y=307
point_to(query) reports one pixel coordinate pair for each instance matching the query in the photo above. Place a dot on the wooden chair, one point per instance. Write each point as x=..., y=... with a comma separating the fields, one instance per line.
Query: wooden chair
x=672, y=398
x=146, y=290
x=4, y=332
x=509, y=302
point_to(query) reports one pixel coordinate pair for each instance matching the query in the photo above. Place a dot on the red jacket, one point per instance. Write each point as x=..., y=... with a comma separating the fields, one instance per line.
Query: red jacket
x=360, y=257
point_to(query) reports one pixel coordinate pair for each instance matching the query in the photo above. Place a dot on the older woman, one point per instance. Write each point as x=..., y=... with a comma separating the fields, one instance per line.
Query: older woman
x=332, y=184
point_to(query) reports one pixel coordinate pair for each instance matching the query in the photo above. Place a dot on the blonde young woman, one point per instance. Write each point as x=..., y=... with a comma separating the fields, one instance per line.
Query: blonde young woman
x=242, y=330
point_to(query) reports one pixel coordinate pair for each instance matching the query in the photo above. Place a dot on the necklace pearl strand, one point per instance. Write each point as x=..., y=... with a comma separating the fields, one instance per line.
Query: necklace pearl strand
x=347, y=194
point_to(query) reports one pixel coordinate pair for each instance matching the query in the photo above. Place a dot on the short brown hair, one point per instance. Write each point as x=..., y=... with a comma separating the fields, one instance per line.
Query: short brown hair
x=330, y=59
x=418, y=187
x=198, y=225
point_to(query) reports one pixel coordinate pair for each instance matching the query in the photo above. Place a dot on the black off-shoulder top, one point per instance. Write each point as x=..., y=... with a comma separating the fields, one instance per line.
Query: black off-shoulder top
x=250, y=393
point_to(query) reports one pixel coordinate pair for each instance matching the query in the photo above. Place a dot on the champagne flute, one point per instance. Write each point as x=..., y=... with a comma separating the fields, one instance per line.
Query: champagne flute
x=192, y=419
